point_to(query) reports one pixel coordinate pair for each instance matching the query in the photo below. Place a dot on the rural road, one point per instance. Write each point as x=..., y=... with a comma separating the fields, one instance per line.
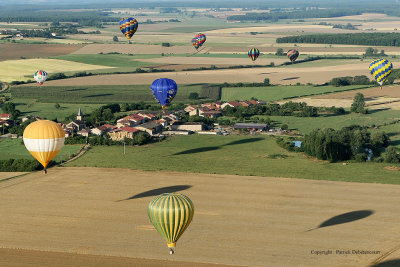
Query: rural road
x=239, y=220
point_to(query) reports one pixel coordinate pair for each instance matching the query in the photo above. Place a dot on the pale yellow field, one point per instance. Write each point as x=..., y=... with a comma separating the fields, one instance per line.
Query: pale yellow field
x=238, y=220
x=214, y=60
x=5, y=175
x=281, y=75
x=57, y=41
x=16, y=70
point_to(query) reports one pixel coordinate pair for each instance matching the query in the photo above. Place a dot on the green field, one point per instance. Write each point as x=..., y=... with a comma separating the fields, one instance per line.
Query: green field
x=48, y=111
x=240, y=155
x=94, y=94
x=273, y=93
x=15, y=149
x=377, y=117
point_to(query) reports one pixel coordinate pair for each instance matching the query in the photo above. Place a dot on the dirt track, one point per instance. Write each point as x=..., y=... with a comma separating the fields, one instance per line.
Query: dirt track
x=253, y=221
x=315, y=75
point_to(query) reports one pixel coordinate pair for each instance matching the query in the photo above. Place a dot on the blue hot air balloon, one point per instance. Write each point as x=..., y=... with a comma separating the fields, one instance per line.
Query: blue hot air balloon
x=128, y=27
x=164, y=90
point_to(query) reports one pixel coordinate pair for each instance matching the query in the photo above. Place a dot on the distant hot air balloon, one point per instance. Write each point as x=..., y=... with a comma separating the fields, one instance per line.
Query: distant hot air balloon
x=199, y=40
x=254, y=53
x=164, y=90
x=293, y=55
x=380, y=70
x=44, y=139
x=128, y=27
x=40, y=76
x=171, y=214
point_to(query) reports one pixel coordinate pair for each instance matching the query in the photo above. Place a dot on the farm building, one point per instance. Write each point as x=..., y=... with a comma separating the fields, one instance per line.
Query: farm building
x=5, y=116
x=250, y=126
x=150, y=127
x=188, y=126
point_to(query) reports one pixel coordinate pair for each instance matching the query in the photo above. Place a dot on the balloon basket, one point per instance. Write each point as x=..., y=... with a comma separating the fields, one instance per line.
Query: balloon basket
x=171, y=251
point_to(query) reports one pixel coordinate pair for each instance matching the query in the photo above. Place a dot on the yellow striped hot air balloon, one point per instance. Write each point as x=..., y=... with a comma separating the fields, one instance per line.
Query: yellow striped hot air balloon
x=171, y=214
x=44, y=139
x=380, y=69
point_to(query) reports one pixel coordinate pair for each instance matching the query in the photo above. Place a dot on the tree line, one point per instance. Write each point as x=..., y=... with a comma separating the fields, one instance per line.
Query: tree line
x=302, y=14
x=349, y=143
x=375, y=39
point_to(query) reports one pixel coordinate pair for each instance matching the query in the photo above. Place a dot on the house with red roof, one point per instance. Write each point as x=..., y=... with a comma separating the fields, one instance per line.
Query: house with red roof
x=5, y=116
x=103, y=129
x=233, y=104
x=133, y=119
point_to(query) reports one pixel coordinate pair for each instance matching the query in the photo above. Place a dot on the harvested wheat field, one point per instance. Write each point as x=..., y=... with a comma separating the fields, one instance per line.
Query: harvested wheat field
x=134, y=48
x=16, y=51
x=281, y=75
x=18, y=70
x=6, y=175
x=239, y=220
x=214, y=61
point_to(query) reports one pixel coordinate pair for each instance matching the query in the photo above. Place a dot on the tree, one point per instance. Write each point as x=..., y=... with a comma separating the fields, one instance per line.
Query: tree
x=358, y=103
x=284, y=126
x=279, y=52
x=115, y=39
x=8, y=107
x=391, y=155
x=266, y=82
x=193, y=95
x=57, y=106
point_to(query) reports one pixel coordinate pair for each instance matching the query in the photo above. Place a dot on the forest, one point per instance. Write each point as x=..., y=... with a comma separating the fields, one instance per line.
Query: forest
x=374, y=39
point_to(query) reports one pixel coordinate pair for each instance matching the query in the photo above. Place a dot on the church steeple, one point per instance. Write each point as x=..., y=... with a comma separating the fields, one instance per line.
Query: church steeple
x=79, y=117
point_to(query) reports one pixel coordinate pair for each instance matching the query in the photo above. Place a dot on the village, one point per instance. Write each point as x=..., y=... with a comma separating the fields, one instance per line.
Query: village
x=157, y=124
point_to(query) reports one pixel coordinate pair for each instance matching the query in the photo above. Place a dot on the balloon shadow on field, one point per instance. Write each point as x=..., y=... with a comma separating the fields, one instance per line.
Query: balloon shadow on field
x=389, y=263
x=197, y=150
x=159, y=191
x=345, y=218
x=244, y=141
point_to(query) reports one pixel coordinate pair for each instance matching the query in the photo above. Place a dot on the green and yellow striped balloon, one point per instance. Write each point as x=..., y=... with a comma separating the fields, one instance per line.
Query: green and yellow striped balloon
x=171, y=214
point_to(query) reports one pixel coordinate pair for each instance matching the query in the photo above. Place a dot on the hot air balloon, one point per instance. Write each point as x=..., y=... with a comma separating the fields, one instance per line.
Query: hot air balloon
x=199, y=40
x=128, y=27
x=171, y=214
x=293, y=55
x=40, y=76
x=254, y=53
x=380, y=70
x=44, y=139
x=164, y=90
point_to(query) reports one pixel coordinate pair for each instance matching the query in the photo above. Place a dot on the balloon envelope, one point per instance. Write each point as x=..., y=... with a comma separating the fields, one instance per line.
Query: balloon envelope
x=164, y=90
x=171, y=214
x=40, y=76
x=199, y=40
x=380, y=70
x=253, y=53
x=293, y=55
x=128, y=27
x=44, y=139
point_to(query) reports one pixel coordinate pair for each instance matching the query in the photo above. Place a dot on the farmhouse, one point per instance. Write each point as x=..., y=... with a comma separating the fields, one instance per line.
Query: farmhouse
x=232, y=104
x=133, y=119
x=84, y=132
x=5, y=116
x=122, y=133
x=188, y=126
x=151, y=128
x=148, y=115
x=103, y=129
x=250, y=126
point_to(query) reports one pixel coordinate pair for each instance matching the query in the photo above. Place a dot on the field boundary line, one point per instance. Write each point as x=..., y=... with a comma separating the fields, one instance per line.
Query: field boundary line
x=80, y=153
